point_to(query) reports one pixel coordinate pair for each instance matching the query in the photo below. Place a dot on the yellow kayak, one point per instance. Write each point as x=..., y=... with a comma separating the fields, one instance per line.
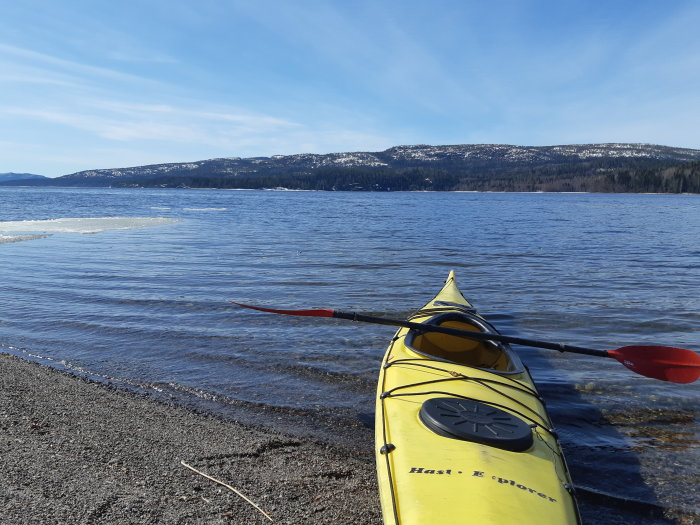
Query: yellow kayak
x=462, y=435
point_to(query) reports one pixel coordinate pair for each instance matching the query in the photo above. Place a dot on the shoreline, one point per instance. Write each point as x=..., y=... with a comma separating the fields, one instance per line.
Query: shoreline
x=77, y=451
x=288, y=190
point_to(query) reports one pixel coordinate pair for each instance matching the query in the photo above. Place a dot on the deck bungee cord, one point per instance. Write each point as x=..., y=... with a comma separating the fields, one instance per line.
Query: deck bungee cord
x=458, y=375
x=392, y=393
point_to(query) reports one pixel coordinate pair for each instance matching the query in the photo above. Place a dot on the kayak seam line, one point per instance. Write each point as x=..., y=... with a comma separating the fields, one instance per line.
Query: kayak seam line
x=564, y=476
x=384, y=438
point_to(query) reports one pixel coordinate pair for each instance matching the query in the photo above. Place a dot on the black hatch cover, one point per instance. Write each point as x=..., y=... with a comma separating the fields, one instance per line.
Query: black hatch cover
x=475, y=421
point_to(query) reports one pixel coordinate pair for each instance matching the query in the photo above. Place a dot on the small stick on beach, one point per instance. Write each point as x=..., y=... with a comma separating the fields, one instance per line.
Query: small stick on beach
x=228, y=487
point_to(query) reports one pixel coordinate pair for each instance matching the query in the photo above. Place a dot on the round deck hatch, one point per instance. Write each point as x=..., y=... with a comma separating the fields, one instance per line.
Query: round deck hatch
x=478, y=422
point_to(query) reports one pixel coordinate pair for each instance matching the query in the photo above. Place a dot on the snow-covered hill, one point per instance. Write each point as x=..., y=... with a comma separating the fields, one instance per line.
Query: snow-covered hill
x=464, y=157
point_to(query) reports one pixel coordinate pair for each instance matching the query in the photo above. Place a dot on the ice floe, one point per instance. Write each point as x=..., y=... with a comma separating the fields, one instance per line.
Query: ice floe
x=82, y=225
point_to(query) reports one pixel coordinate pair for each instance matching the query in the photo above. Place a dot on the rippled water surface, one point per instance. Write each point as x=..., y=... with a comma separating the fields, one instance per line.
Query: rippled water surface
x=132, y=286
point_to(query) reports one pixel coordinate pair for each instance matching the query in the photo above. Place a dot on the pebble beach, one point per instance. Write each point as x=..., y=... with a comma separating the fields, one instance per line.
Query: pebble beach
x=77, y=451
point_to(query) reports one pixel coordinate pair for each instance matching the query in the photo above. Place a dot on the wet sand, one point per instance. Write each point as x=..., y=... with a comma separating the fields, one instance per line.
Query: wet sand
x=77, y=451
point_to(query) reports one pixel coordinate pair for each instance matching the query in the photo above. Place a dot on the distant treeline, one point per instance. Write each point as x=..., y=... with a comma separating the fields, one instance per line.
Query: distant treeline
x=588, y=177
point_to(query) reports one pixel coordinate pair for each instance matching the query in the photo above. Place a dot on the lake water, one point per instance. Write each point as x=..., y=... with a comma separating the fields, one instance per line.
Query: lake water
x=132, y=286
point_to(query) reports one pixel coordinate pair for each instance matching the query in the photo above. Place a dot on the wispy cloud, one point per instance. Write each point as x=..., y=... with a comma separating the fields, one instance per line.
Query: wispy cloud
x=52, y=66
x=123, y=122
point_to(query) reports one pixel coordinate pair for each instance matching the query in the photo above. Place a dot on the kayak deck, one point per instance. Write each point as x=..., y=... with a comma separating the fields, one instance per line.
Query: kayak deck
x=462, y=435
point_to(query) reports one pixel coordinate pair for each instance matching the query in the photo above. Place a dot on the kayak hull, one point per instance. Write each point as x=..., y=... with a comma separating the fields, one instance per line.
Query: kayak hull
x=464, y=440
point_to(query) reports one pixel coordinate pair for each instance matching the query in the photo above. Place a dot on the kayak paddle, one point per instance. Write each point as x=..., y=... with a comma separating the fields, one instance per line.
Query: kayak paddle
x=667, y=363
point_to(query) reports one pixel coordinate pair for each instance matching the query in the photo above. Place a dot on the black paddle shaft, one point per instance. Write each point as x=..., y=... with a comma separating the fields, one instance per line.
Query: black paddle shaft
x=478, y=336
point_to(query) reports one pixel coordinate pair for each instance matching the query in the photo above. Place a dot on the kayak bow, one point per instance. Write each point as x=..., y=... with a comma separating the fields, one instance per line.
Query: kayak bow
x=462, y=435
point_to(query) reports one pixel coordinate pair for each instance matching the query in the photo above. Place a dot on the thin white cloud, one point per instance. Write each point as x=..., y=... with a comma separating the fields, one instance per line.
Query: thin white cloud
x=133, y=122
x=166, y=110
x=52, y=65
x=28, y=76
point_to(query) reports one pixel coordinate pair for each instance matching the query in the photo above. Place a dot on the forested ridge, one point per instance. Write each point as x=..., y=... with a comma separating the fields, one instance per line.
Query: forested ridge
x=681, y=178
x=619, y=167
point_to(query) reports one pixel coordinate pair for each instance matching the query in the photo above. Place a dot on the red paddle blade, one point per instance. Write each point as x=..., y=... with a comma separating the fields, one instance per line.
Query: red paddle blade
x=667, y=363
x=307, y=313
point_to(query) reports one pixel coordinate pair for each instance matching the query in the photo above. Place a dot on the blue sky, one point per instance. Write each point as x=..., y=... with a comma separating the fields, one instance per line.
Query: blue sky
x=104, y=84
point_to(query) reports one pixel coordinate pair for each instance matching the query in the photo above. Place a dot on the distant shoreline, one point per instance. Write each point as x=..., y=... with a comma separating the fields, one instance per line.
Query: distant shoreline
x=288, y=190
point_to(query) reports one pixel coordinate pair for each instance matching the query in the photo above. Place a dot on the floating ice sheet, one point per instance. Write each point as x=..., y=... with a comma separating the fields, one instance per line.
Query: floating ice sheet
x=4, y=239
x=83, y=225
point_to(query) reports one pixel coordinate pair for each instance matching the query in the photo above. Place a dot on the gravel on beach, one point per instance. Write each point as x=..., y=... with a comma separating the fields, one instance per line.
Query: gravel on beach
x=78, y=451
